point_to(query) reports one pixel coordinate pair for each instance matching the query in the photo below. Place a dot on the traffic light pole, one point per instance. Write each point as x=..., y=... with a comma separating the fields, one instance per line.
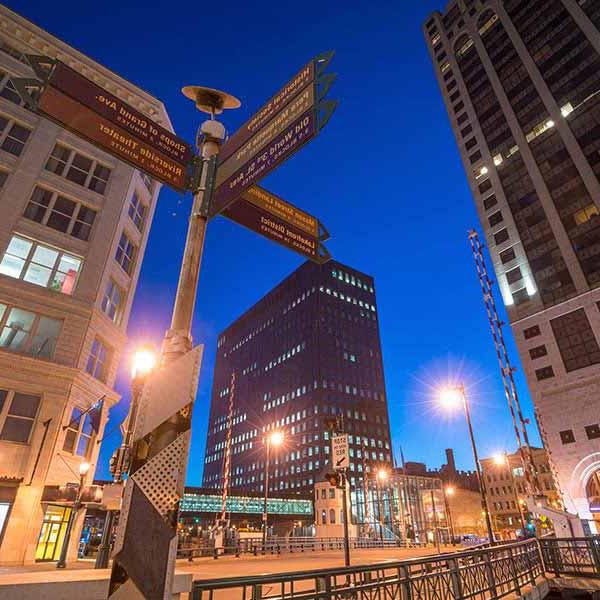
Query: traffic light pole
x=345, y=509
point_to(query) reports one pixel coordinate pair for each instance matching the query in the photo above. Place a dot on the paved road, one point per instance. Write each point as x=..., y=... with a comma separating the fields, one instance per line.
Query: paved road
x=209, y=568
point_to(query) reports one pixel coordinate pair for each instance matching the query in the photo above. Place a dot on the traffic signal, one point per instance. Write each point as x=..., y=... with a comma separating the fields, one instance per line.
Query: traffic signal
x=333, y=479
x=331, y=423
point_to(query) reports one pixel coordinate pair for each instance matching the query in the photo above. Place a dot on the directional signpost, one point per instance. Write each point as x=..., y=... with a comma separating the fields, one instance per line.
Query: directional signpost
x=223, y=180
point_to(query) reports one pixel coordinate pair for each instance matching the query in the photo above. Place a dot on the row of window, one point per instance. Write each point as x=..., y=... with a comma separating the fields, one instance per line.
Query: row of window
x=591, y=431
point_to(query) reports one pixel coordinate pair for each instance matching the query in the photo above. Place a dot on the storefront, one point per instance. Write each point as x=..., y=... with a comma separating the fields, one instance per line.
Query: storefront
x=52, y=533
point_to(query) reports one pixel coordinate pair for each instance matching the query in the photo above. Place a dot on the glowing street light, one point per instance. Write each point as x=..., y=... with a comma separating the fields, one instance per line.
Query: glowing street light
x=500, y=459
x=452, y=398
x=450, y=491
x=275, y=439
x=144, y=361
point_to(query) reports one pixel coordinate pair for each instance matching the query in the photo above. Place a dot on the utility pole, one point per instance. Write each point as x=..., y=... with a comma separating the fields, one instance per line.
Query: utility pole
x=161, y=438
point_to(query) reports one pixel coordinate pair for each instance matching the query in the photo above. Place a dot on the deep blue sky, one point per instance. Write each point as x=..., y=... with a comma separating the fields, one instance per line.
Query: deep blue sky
x=384, y=176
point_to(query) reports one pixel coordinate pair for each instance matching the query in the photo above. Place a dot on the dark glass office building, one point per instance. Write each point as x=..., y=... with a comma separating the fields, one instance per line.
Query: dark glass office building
x=307, y=352
x=521, y=83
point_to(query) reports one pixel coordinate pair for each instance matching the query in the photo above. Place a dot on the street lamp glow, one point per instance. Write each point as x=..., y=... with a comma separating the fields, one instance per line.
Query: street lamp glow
x=84, y=467
x=144, y=360
x=276, y=438
x=500, y=459
x=450, y=398
x=450, y=491
x=382, y=474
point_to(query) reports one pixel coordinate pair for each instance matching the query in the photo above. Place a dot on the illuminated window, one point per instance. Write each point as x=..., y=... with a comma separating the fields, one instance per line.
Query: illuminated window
x=41, y=265
x=79, y=433
x=585, y=214
x=60, y=213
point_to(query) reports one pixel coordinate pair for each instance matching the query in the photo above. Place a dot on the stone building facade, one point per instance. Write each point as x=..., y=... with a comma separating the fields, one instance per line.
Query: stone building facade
x=74, y=222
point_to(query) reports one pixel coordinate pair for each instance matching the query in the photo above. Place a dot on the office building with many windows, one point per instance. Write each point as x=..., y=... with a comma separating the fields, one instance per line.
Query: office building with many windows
x=73, y=228
x=521, y=83
x=308, y=352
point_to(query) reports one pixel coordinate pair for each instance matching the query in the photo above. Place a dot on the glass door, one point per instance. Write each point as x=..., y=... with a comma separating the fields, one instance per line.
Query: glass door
x=52, y=533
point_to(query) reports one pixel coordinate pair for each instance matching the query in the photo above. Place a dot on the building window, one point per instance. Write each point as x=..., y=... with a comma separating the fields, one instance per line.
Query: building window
x=323, y=517
x=585, y=214
x=148, y=181
x=112, y=301
x=79, y=434
x=576, y=342
x=485, y=186
x=495, y=219
x=489, y=202
x=514, y=275
x=501, y=236
x=567, y=436
x=13, y=136
x=98, y=361
x=538, y=352
x=544, y=373
x=60, y=213
x=592, y=431
x=41, y=265
x=78, y=168
x=125, y=255
x=507, y=255
x=8, y=89
x=27, y=332
x=531, y=332
x=332, y=492
x=137, y=211
x=18, y=416
x=332, y=516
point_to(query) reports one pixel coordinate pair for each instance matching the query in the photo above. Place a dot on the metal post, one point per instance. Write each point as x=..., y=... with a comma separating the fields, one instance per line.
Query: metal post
x=436, y=537
x=449, y=516
x=104, y=547
x=345, y=509
x=264, y=536
x=62, y=560
x=379, y=509
x=164, y=444
x=482, y=490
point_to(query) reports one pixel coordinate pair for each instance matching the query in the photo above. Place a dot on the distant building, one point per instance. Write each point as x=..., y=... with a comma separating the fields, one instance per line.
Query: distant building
x=520, y=82
x=309, y=351
x=74, y=222
x=505, y=485
x=448, y=473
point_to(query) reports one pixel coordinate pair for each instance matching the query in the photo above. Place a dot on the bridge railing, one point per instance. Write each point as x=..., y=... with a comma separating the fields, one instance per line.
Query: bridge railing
x=284, y=545
x=479, y=574
x=572, y=556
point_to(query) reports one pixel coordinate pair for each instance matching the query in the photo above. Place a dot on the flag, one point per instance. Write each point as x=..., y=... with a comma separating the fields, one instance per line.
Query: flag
x=95, y=414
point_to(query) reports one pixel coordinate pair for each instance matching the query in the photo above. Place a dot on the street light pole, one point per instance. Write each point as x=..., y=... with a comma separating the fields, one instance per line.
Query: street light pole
x=275, y=439
x=381, y=476
x=144, y=361
x=482, y=489
x=84, y=467
x=448, y=492
x=436, y=536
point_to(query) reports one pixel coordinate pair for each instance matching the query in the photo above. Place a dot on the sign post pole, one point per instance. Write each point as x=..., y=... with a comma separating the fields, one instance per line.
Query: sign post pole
x=161, y=440
x=345, y=508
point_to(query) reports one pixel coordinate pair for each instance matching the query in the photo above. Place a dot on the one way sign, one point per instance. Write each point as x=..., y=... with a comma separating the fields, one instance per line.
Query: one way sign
x=339, y=451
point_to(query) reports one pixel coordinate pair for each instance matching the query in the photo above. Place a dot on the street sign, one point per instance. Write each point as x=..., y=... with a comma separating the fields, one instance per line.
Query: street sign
x=82, y=121
x=277, y=229
x=278, y=150
x=288, y=92
x=340, y=454
x=279, y=207
x=79, y=105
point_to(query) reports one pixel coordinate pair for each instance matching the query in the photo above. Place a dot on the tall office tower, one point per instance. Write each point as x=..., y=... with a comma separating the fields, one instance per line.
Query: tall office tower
x=73, y=228
x=307, y=352
x=521, y=83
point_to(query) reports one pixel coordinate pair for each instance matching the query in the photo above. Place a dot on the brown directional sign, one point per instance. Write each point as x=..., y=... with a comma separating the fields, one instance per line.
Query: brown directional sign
x=133, y=122
x=277, y=229
x=277, y=151
x=282, y=209
x=303, y=102
x=116, y=140
x=287, y=93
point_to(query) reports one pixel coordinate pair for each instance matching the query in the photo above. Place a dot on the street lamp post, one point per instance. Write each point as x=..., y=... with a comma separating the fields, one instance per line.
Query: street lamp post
x=436, y=531
x=449, y=491
x=450, y=397
x=502, y=460
x=382, y=476
x=273, y=439
x=144, y=361
x=84, y=467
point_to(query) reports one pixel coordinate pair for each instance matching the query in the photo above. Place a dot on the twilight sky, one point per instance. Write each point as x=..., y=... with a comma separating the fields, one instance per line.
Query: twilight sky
x=384, y=177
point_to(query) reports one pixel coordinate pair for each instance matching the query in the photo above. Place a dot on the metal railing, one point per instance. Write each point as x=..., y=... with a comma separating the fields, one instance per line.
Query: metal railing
x=284, y=545
x=479, y=574
x=572, y=556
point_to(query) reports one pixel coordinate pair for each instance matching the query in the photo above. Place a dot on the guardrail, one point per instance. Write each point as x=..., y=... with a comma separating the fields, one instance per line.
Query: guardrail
x=572, y=556
x=490, y=573
x=283, y=545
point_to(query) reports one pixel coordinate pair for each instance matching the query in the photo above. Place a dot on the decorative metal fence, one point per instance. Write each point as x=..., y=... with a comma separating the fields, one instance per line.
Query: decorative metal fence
x=479, y=574
x=572, y=556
